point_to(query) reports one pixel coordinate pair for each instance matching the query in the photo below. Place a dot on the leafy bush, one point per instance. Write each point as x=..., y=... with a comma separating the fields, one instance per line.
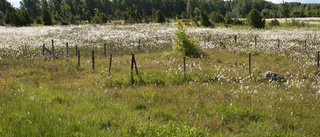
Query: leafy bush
x=216, y=17
x=160, y=18
x=170, y=129
x=46, y=17
x=88, y=16
x=205, y=20
x=184, y=45
x=65, y=22
x=255, y=19
x=274, y=22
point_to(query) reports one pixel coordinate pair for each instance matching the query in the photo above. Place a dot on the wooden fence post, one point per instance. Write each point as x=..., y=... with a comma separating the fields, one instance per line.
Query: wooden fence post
x=93, y=60
x=318, y=61
x=278, y=44
x=184, y=67
x=105, y=49
x=235, y=40
x=43, y=49
x=110, y=63
x=250, y=64
x=78, y=57
x=135, y=64
x=132, y=61
x=255, y=41
x=76, y=50
x=305, y=45
x=67, y=54
x=52, y=51
x=139, y=45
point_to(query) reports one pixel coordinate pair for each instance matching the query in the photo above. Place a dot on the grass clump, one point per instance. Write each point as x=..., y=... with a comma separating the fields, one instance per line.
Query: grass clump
x=183, y=45
x=170, y=129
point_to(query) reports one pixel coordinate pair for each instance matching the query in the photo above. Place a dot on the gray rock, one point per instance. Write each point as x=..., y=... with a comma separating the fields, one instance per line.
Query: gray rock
x=273, y=76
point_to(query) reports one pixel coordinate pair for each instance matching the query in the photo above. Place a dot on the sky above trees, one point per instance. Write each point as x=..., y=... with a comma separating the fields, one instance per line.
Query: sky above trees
x=16, y=3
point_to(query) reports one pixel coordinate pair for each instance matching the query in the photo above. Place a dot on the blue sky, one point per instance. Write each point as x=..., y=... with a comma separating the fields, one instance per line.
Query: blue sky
x=16, y=3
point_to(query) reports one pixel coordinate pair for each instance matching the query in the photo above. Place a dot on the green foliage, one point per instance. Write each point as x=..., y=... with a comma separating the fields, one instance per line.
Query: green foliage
x=171, y=129
x=228, y=19
x=205, y=20
x=255, y=19
x=160, y=18
x=183, y=45
x=88, y=16
x=17, y=17
x=65, y=22
x=46, y=17
x=216, y=17
x=274, y=22
x=1, y=15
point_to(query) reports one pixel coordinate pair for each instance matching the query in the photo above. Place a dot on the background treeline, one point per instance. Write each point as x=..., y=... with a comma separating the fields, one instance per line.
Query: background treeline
x=100, y=11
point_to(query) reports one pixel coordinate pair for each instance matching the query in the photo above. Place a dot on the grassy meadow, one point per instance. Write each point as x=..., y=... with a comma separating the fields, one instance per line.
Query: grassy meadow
x=217, y=97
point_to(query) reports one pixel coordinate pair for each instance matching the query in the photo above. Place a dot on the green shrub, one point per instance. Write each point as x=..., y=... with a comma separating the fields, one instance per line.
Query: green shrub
x=183, y=45
x=274, y=22
x=88, y=16
x=216, y=17
x=46, y=17
x=160, y=18
x=205, y=20
x=65, y=22
x=255, y=19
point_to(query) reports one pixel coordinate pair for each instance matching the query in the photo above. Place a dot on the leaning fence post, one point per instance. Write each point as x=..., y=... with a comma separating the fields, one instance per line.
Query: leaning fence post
x=132, y=61
x=135, y=64
x=67, y=54
x=250, y=64
x=52, y=51
x=93, y=60
x=43, y=49
x=105, y=49
x=184, y=67
x=305, y=45
x=110, y=63
x=78, y=57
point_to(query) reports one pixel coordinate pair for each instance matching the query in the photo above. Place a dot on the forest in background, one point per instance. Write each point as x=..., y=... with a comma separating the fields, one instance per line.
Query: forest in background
x=99, y=11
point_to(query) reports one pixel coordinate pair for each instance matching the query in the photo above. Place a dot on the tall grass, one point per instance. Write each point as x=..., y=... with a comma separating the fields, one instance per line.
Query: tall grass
x=41, y=97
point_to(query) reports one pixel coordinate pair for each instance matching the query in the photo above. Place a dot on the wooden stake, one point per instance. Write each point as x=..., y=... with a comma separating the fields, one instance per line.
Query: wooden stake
x=93, y=60
x=250, y=64
x=67, y=54
x=110, y=63
x=78, y=57
x=76, y=50
x=132, y=61
x=184, y=66
x=105, y=50
x=52, y=51
x=139, y=45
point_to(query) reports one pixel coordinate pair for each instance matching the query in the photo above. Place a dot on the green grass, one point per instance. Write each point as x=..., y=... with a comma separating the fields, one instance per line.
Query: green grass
x=40, y=97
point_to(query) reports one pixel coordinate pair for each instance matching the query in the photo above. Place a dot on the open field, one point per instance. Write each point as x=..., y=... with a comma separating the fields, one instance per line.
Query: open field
x=218, y=97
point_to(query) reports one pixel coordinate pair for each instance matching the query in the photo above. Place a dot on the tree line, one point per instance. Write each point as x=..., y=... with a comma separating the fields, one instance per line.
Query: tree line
x=100, y=11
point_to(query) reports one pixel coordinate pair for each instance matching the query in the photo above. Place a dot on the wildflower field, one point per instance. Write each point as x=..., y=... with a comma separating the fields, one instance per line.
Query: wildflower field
x=216, y=97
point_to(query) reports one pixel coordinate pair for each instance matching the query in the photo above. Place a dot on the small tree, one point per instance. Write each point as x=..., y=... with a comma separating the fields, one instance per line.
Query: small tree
x=88, y=16
x=216, y=17
x=183, y=45
x=205, y=20
x=46, y=17
x=255, y=19
x=160, y=18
